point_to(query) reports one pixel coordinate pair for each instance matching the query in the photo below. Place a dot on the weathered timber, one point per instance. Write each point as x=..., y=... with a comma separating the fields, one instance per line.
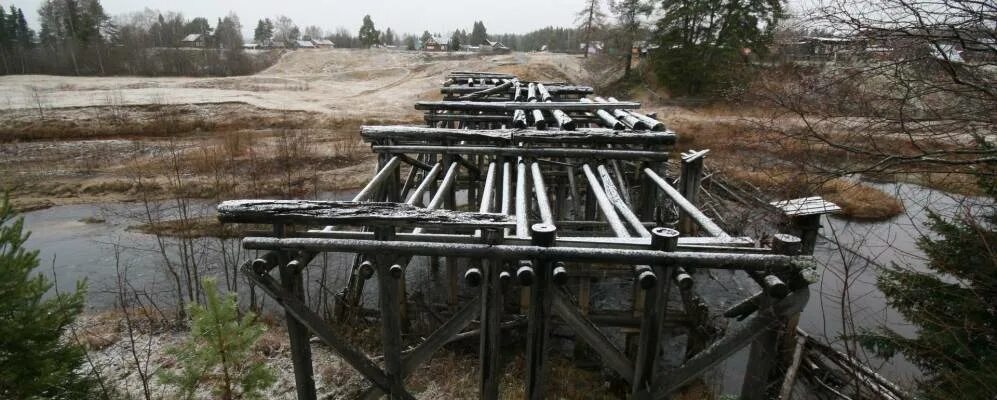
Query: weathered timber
x=667, y=382
x=655, y=305
x=630, y=121
x=508, y=136
x=736, y=261
x=651, y=123
x=525, y=151
x=553, y=89
x=563, y=120
x=490, y=91
x=538, y=329
x=509, y=106
x=300, y=311
x=608, y=120
x=312, y=213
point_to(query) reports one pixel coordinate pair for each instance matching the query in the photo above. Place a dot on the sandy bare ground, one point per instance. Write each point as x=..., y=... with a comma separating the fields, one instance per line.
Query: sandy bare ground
x=348, y=83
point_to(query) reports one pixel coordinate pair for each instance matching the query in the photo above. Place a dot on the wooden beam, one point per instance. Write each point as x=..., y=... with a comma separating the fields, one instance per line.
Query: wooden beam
x=510, y=136
x=509, y=106
x=314, y=213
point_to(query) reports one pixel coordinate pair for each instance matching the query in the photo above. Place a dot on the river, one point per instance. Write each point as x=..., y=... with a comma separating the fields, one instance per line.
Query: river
x=79, y=249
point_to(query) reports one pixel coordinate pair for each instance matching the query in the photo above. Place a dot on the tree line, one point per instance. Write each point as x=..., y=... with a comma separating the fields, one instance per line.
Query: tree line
x=77, y=37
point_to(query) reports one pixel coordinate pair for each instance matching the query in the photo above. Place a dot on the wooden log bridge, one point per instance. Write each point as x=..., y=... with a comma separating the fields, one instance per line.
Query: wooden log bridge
x=529, y=195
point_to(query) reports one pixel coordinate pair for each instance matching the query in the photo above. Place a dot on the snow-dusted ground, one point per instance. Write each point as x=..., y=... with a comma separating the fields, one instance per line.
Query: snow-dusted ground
x=373, y=83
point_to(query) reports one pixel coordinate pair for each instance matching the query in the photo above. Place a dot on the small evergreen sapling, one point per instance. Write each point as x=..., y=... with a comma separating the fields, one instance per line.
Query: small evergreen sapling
x=35, y=362
x=219, y=351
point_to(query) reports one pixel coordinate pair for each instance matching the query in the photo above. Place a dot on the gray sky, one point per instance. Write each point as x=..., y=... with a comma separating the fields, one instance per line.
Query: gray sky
x=411, y=16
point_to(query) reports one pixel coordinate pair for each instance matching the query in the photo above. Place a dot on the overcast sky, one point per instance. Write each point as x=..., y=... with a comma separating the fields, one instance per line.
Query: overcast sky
x=410, y=16
x=404, y=16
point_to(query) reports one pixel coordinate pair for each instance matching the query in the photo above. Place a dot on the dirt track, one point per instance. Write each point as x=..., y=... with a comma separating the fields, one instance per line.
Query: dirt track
x=342, y=82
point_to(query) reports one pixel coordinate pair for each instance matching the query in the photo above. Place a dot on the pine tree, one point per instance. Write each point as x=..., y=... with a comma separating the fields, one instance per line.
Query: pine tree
x=628, y=15
x=478, y=34
x=590, y=19
x=954, y=307
x=702, y=43
x=369, y=35
x=455, y=41
x=219, y=351
x=34, y=361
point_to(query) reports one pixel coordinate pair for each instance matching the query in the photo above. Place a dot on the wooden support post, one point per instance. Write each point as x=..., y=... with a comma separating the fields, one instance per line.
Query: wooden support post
x=539, y=315
x=774, y=348
x=491, y=320
x=691, y=177
x=791, y=246
x=655, y=303
x=763, y=357
x=808, y=226
x=301, y=350
x=391, y=332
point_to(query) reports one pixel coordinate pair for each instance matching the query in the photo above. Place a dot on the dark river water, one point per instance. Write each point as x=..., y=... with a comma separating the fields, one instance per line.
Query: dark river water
x=98, y=251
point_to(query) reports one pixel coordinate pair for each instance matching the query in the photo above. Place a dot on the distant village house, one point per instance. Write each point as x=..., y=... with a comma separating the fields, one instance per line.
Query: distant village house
x=194, y=40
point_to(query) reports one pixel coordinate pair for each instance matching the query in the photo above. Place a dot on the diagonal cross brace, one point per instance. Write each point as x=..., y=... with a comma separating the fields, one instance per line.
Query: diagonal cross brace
x=593, y=336
x=314, y=323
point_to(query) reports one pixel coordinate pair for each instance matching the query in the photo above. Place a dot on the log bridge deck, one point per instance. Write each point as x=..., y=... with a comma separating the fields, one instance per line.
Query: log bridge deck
x=557, y=186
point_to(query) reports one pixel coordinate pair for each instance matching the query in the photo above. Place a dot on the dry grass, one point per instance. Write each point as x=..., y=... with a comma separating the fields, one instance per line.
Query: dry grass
x=746, y=152
x=857, y=200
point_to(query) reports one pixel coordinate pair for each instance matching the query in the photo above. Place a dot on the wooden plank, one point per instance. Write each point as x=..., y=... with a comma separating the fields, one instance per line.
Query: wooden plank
x=314, y=213
x=806, y=206
x=509, y=106
x=587, y=331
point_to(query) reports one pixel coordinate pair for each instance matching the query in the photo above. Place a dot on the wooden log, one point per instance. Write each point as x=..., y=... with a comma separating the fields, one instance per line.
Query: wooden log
x=563, y=120
x=489, y=350
x=629, y=120
x=655, y=304
x=301, y=350
x=651, y=123
x=315, y=213
x=490, y=91
x=519, y=119
x=391, y=329
x=509, y=106
x=538, y=329
x=789, y=381
x=555, y=90
x=607, y=119
x=510, y=136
